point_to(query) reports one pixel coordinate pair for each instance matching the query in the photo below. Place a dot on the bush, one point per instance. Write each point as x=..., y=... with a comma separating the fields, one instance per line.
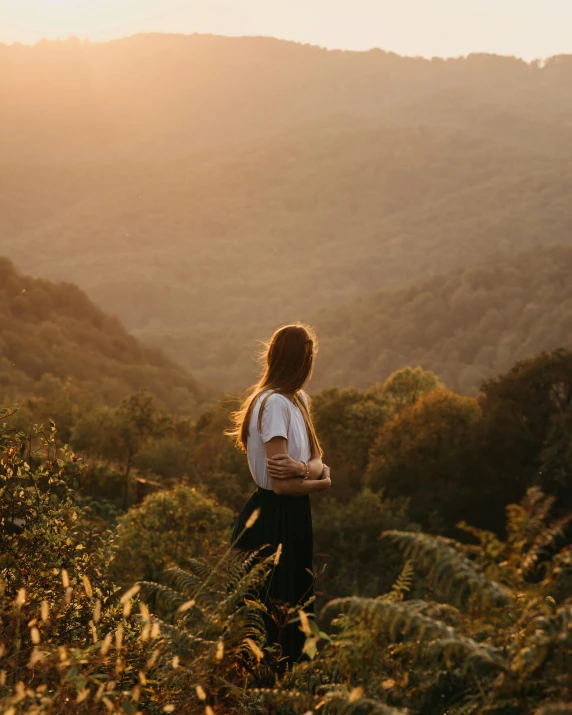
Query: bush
x=167, y=529
x=358, y=563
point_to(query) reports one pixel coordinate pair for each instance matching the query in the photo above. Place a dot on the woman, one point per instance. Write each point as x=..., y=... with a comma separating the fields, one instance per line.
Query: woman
x=274, y=427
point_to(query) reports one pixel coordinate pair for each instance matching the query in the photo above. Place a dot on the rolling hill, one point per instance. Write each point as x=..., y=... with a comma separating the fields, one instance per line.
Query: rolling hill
x=232, y=240
x=51, y=335
x=202, y=187
x=164, y=95
x=464, y=325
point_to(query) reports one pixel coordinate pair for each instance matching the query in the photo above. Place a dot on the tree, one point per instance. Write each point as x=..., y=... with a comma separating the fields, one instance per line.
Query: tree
x=404, y=387
x=358, y=564
x=555, y=471
x=526, y=417
x=217, y=465
x=122, y=433
x=429, y=452
x=347, y=422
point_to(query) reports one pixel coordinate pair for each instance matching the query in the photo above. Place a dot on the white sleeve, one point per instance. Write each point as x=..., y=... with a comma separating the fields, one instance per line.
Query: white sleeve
x=275, y=418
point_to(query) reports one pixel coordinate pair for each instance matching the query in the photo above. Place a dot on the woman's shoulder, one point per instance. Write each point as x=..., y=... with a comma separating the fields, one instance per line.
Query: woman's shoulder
x=272, y=398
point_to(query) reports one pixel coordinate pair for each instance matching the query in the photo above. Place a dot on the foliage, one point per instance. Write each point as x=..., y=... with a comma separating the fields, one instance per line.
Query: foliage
x=491, y=635
x=406, y=386
x=556, y=457
x=505, y=649
x=347, y=422
x=55, y=602
x=54, y=339
x=348, y=533
x=451, y=575
x=216, y=465
x=72, y=642
x=213, y=627
x=428, y=452
x=526, y=411
x=119, y=435
x=168, y=528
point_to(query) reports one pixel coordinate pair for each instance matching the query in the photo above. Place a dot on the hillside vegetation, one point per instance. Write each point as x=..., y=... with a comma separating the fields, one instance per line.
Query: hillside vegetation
x=149, y=609
x=464, y=325
x=241, y=183
x=339, y=211
x=53, y=339
x=167, y=94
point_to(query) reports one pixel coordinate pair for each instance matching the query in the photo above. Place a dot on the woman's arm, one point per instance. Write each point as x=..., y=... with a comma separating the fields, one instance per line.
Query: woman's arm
x=295, y=488
x=282, y=468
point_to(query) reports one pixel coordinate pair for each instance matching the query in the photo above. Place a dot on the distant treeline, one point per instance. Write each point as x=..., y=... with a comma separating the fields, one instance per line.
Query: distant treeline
x=70, y=100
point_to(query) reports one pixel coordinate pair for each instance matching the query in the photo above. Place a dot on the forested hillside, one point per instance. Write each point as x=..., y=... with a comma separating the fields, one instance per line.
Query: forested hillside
x=464, y=325
x=246, y=182
x=208, y=219
x=182, y=245
x=53, y=339
x=167, y=94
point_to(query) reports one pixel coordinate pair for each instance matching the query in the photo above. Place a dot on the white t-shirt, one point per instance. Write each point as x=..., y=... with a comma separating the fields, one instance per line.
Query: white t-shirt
x=280, y=418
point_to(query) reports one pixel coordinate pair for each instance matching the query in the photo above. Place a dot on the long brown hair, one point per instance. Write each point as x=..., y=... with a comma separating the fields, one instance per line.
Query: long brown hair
x=288, y=359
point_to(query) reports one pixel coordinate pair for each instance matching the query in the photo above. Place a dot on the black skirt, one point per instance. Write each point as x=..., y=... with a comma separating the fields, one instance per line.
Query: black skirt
x=285, y=520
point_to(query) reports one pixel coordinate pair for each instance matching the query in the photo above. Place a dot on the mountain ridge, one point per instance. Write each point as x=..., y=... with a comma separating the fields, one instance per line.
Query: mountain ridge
x=94, y=99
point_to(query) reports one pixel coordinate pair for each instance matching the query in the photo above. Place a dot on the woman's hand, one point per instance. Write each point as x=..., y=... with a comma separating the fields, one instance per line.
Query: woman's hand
x=282, y=466
x=326, y=477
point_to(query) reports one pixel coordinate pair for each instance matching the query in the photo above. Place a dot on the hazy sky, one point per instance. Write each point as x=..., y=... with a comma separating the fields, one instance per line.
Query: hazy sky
x=528, y=28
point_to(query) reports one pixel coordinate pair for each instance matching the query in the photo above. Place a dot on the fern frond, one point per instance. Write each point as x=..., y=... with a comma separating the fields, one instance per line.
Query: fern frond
x=399, y=622
x=554, y=709
x=450, y=573
x=490, y=544
x=402, y=584
x=199, y=568
x=161, y=596
x=543, y=542
x=548, y=638
x=248, y=584
x=206, y=596
x=237, y=565
x=183, y=642
x=335, y=702
x=184, y=581
x=246, y=622
x=525, y=521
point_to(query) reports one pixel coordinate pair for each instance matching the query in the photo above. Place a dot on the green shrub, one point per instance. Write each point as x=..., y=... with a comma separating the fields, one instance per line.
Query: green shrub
x=167, y=529
x=358, y=563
